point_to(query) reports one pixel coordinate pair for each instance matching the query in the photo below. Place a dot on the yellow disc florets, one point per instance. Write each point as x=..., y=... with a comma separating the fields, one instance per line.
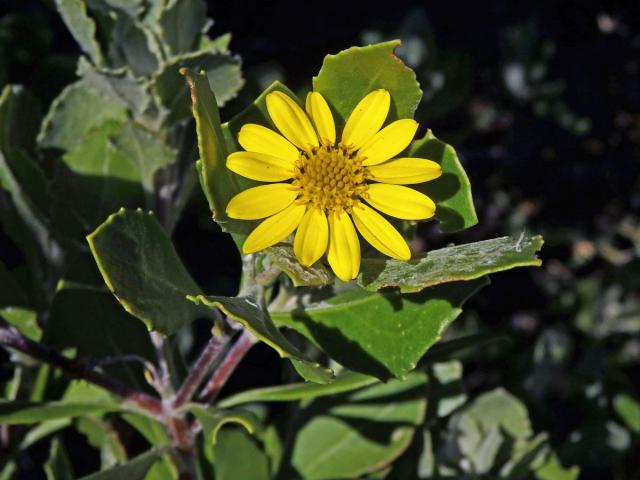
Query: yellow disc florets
x=331, y=177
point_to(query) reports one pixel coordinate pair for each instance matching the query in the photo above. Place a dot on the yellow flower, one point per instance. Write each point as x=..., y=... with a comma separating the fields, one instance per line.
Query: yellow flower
x=320, y=188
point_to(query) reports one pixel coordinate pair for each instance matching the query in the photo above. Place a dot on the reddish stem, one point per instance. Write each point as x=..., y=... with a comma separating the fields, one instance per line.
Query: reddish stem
x=228, y=365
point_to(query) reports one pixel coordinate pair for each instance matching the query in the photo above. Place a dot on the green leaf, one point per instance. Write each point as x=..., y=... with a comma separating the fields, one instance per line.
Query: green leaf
x=218, y=184
x=259, y=323
x=317, y=275
x=212, y=420
x=76, y=111
x=24, y=320
x=123, y=87
x=102, y=436
x=452, y=191
x=82, y=27
x=181, y=24
x=58, y=466
x=22, y=412
x=19, y=118
x=451, y=264
x=136, y=469
x=238, y=457
x=628, y=408
x=346, y=381
x=553, y=470
x=151, y=429
x=382, y=334
x=145, y=150
x=143, y=270
x=134, y=46
x=446, y=390
x=24, y=182
x=498, y=408
x=223, y=72
x=347, y=77
x=351, y=435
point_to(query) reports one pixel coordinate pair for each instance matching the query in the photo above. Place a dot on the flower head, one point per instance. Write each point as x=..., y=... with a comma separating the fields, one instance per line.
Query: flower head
x=324, y=189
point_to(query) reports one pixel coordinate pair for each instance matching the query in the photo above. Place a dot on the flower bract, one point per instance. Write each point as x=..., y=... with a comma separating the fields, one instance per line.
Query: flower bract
x=328, y=188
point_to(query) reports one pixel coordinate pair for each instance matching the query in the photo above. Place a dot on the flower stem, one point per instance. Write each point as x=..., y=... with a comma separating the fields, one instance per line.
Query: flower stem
x=228, y=365
x=199, y=370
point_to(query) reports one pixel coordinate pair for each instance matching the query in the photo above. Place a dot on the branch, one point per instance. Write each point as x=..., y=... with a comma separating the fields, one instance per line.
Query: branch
x=10, y=337
x=235, y=354
x=199, y=369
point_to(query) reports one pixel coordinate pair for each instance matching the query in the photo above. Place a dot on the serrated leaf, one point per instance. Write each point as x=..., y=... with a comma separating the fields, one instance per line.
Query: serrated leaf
x=82, y=27
x=451, y=264
x=135, y=469
x=23, y=412
x=380, y=334
x=346, y=381
x=121, y=86
x=351, y=435
x=58, y=466
x=143, y=270
x=259, y=323
x=317, y=275
x=77, y=110
x=223, y=72
x=107, y=331
x=345, y=78
x=134, y=46
x=451, y=191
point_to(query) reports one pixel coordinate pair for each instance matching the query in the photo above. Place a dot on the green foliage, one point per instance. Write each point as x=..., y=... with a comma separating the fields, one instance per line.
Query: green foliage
x=348, y=436
x=462, y=262
x=143, y=271
x=380, y=334
x=346, y=78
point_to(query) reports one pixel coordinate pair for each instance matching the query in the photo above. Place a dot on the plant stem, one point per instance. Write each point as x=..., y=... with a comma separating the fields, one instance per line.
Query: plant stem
x=10, y=337
x=199, y=370
x=230, y=362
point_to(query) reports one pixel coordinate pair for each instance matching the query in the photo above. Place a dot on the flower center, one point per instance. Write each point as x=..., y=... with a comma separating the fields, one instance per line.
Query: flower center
x=330, y=177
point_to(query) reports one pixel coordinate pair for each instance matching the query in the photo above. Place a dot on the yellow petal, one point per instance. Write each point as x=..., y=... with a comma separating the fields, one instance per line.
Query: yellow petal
x=367, y=118
x=400, y=202
x=291, y=120
x=321, y=116
x=274, y=229
x=344, y=247
x=389, y=141
x=262, y=201
x=260, y=166
x=380, y=233
x=312, y=237
x=404, y=171
x=256, y=138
